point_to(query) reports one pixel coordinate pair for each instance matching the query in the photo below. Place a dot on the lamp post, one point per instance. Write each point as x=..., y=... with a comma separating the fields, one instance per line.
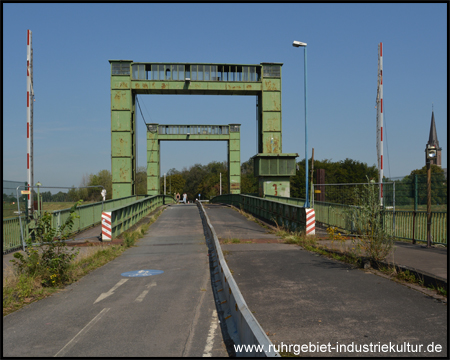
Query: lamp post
x=38, y=184
x=431, y=153
x=302, y=44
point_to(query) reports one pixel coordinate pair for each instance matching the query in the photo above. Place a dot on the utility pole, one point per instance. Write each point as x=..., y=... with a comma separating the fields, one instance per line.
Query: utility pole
x=220, y=183
x=164, y=183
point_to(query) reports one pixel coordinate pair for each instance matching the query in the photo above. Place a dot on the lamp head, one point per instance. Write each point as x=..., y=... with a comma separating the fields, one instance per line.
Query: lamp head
x=298, y=44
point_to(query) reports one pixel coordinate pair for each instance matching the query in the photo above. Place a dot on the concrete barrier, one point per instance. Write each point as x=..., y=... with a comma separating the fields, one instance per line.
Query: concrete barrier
x=242, y=326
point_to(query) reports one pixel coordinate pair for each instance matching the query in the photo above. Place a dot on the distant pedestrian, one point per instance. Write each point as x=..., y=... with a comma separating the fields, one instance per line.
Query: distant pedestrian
x=178, y=197
x=184, y=198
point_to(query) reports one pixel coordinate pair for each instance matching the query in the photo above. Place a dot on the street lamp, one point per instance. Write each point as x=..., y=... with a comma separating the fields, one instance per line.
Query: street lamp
x=302, y=44
x=431, y=154
x=38, y=184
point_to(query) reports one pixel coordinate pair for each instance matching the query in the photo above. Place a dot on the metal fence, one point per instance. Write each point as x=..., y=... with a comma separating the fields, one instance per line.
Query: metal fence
x=10, y=198
x=406, y=225
x=411, y=192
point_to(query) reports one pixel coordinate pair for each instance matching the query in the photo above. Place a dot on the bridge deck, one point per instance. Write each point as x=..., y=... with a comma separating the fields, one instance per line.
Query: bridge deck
x=299, y=297
x=107, y=314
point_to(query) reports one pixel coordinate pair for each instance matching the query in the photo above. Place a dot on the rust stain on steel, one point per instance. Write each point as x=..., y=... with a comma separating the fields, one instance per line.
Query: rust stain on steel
x=270, y=85
x=123, y=84
x=276, y=105
x=276, y=145
x=249, y=86
x=137, y=85
x=123, y=174
x=235, y=186
x=145, y=86
x=268, y=147
x=163, y=86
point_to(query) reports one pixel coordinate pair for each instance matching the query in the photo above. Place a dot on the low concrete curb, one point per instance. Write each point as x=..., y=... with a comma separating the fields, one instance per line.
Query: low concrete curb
x=427, y=278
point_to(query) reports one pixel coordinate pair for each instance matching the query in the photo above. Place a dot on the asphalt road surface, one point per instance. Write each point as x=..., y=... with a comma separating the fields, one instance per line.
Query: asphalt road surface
x=109, y=315
x=299, y=297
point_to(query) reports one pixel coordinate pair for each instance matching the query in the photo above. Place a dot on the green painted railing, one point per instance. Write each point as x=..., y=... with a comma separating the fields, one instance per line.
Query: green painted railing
x=290, y=216
x=11, y=233
x=89, y=215
x=410, y=226
x=125, y=216
x=332, y=214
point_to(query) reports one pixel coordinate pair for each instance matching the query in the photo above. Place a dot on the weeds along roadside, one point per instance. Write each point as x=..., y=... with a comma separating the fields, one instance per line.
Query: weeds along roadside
x=310, y=243
x=21, y=289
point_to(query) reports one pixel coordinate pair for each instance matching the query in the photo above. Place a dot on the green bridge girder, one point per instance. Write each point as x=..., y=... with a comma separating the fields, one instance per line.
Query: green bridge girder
x=263, y=81
x=157, y=133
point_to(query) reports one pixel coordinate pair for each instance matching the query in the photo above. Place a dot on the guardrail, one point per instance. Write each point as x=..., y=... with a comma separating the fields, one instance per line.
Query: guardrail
x=290, y=216
x=407, y=225
x=125, y=216
x=243, y=328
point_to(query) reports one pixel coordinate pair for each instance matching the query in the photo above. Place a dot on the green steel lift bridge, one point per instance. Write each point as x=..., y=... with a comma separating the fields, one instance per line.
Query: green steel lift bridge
x=128, y=79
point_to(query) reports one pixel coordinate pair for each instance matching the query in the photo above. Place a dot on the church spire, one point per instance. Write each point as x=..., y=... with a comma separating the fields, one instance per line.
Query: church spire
x=433, y=140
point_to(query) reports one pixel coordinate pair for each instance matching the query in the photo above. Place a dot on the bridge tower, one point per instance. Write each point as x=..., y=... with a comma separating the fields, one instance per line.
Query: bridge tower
x=128, y=79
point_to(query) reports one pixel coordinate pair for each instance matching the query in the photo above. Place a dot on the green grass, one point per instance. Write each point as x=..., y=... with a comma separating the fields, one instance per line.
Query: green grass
x=20, y=290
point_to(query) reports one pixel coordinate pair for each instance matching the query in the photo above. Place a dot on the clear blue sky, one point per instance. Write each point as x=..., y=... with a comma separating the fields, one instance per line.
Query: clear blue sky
x=72, y=44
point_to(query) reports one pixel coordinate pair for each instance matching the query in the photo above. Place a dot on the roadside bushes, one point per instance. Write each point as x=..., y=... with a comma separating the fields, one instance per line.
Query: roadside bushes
x=49, y=259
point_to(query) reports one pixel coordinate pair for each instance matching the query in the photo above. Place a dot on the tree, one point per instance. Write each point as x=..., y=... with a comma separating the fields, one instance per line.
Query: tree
x=339, y=172
x=438, y=184
x=103, y=178
x=178, y=182
x=141, y=181
x=249, y=183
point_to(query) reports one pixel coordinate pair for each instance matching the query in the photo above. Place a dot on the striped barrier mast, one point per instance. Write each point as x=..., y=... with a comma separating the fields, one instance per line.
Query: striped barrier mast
x=30, y=99
x=310, y=222
x=106, y=226
x=380, y=121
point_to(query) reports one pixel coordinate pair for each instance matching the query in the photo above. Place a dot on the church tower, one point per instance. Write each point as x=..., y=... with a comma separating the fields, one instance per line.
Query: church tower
x=433, y=140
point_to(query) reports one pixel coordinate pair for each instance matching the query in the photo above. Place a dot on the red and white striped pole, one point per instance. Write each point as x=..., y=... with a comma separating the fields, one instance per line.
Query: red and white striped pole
x=380, y=121
x=30, y=96
x=310, y=222
x=106, y=226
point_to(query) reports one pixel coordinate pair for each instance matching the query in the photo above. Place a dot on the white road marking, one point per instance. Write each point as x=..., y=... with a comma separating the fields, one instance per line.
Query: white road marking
x=145, y=292
x=210, y=339
x=110, y=292
x=77, y=337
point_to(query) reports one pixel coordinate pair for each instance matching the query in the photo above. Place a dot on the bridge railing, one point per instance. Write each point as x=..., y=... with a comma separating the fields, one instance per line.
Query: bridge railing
x=406, y=225
x=290, y=216
x=125, y=216
x=11, y=233
x=89, y=215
